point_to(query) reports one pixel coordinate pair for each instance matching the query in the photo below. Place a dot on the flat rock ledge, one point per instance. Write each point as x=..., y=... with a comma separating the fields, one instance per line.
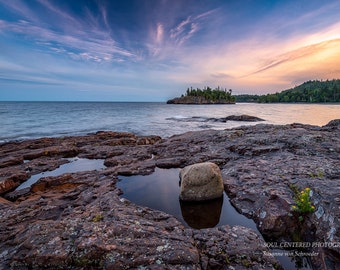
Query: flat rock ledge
x=79, y=220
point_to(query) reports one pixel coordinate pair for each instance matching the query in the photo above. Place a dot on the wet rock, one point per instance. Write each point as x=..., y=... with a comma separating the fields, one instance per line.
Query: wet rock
x=273, y=218
x=167, y=163
x=50, y=152
x=231, y=247
x=81, y=224
x=7, y=185
x=78, y=220
x=62, y=182
x=4, y=202
x=147, y=140
x=43, y=164
x=10, y=161
x=200, y=182
x=16, y=194
x=243, y=117
x=10, y=179
x=333, y=123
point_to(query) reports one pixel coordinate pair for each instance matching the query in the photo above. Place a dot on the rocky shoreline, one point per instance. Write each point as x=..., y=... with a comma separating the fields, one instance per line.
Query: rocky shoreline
x=79, y=221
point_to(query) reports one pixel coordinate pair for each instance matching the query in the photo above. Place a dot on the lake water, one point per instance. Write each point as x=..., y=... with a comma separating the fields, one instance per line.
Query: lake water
x=25, y=120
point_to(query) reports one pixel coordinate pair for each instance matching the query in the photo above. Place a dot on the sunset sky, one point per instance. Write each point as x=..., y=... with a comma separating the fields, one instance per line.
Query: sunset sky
x=152, y=50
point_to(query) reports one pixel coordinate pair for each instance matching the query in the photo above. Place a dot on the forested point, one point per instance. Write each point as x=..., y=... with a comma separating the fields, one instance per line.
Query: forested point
x=308, y=92
x=205, y=96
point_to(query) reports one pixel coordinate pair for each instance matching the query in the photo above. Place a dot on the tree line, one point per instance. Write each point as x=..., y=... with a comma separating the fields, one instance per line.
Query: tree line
x=211, y=94
x=309, y=92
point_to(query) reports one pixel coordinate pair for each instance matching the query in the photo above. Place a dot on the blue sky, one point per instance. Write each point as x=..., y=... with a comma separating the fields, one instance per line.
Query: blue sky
x=152, y=50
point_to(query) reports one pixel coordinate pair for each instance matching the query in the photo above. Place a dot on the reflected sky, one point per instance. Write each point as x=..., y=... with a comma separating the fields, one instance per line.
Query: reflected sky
x=160, y=191
x=74, y=165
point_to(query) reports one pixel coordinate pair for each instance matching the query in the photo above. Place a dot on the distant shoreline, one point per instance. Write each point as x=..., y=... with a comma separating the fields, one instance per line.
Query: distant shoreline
x=194, y=100
x=303, y=103
x=166, y=102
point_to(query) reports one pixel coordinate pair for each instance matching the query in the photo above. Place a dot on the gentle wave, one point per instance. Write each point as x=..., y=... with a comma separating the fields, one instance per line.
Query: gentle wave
x=26, y=120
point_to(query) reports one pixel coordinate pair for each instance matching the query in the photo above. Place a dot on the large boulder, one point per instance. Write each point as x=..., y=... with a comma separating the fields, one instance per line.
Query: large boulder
x=200, y=182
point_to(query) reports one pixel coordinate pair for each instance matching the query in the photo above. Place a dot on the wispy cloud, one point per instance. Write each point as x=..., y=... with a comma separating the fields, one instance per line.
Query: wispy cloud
x=221, y=75
x=170, y=39
x=172, y=43
x=93, y=46
x=185, y=29
x=265, y=61
x=303, y=52
x=159, y=33
x=21, y=8
x=90, y=38
x=64, y=17
x=314, y=54
x=67, y=35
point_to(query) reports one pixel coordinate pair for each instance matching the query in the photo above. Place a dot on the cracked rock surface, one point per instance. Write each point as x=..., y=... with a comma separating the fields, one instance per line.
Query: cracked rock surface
x=79, y=221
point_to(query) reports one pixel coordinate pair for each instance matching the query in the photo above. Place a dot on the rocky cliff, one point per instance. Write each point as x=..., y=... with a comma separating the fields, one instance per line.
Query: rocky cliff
x=79, y=221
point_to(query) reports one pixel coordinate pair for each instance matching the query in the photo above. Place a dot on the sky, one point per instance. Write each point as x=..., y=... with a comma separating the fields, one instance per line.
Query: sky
x=153, y=50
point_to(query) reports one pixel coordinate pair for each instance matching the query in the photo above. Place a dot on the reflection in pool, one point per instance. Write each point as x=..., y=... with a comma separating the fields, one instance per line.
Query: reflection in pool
x=160, y=191
x=201, y=215
x=75, y=165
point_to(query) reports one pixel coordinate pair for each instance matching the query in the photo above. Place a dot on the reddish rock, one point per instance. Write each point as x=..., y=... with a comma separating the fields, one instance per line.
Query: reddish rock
x=10, y=179
x=50, y=152
x=7, y=185
x=10, y=161
x=79, y=221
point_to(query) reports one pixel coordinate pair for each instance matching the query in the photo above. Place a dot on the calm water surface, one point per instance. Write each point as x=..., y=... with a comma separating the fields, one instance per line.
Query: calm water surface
x=24, y=120
x=75, y=165
x=160, y=191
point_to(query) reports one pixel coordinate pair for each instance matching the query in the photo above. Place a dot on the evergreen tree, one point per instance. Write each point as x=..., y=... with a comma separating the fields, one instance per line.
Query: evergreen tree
x=310, y=92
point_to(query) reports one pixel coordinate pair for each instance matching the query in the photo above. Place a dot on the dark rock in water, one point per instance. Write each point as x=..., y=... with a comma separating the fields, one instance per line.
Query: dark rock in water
x=243, y=117
x=334, y=123
x=78, y=220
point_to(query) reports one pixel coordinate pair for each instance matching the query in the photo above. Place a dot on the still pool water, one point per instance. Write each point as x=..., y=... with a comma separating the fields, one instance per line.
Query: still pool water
x=160, y=191
x=75, y=165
